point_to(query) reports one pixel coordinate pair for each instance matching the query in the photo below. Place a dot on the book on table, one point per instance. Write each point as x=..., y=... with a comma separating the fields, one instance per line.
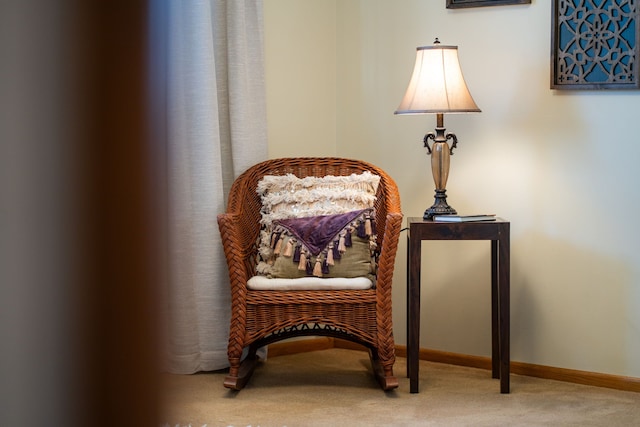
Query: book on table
x=464, y=218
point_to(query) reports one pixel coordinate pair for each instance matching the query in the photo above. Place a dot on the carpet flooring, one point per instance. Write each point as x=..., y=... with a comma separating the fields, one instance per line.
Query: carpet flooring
x=336, y=388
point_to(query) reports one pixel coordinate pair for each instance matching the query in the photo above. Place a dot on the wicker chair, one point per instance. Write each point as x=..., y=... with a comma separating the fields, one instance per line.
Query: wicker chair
x=262, y=317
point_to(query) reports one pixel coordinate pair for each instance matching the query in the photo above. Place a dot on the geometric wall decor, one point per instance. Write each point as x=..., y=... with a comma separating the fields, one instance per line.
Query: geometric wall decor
x=594, y=44
x=457, y=4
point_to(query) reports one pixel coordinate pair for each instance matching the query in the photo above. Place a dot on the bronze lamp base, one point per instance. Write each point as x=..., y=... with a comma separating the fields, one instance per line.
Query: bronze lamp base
x=440, y=158
x=440, y=206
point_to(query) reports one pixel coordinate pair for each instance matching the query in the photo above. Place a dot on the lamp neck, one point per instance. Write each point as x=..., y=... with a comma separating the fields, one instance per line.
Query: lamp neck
x=440, y=130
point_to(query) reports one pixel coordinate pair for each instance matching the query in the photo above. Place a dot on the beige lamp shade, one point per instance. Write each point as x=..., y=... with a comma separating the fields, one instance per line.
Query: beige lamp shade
x=437, y=84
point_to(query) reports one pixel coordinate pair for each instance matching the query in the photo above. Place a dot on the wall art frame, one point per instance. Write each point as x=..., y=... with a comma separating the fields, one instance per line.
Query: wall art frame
x=460, y=4
x=594, y=44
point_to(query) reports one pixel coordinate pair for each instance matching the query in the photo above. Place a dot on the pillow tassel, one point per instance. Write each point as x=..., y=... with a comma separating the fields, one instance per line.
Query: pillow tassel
x=278, y=247
x=296, y=253
x=274, y=239
x=325, y=266
x=317, y=268
x=367, y=227
x=347, y=239
x=302, y=265
x=329, y=259
x=288, y=249
x=336, y=251
x=309, y=267
x=342, y=248
x=361, y=232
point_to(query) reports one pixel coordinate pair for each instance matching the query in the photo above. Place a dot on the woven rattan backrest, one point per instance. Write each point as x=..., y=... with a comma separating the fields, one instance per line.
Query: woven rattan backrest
x=245, y=201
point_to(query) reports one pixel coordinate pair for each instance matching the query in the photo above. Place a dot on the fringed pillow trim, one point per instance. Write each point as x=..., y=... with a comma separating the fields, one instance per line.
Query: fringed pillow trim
x=301, y=243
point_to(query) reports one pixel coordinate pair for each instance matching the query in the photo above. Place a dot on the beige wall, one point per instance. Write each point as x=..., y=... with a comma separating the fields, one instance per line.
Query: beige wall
x=561, y=166
x=300, y=65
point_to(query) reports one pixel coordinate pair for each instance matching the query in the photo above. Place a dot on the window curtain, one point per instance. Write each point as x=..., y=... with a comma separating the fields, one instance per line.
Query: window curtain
x=216, y=129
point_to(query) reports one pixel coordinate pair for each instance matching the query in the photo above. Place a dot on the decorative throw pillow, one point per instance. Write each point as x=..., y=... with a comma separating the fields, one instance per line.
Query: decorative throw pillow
x=340, y=245
x=287, y=196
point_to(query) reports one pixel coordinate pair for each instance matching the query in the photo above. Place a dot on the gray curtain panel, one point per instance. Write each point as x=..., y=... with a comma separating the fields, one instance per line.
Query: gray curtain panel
x=216, y=129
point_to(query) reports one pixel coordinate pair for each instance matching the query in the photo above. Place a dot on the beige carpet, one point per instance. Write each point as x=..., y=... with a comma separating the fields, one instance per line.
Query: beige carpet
x=335, y=388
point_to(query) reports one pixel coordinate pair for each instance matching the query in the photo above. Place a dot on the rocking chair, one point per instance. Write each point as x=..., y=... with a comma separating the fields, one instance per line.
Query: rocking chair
x=262, y=317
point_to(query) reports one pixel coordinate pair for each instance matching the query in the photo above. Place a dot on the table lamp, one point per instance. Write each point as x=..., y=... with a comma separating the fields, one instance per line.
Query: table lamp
x=437, y=86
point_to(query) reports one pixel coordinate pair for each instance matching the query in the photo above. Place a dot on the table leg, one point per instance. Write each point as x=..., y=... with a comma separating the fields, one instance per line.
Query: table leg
x=413, y=313
x=495, y=319
x=504, y=284
x=408, y=308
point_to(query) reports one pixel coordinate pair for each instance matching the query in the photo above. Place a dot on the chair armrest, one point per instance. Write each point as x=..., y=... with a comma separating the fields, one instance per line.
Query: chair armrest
x=386, y=261
x=239, y=244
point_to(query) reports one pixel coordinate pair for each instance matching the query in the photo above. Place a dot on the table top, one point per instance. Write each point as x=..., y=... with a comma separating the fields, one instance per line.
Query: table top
x=429, y=221
x=469, y=230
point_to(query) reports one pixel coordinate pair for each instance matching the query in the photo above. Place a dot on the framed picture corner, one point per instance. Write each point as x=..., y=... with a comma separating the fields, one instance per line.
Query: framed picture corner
x=595, y=47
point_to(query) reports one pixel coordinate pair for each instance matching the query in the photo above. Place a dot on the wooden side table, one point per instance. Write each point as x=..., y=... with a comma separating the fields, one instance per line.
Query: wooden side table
x=496, y=231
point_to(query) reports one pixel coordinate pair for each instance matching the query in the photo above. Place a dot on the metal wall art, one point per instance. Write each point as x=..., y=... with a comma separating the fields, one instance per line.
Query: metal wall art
x=458, y=4
x=594, y=44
